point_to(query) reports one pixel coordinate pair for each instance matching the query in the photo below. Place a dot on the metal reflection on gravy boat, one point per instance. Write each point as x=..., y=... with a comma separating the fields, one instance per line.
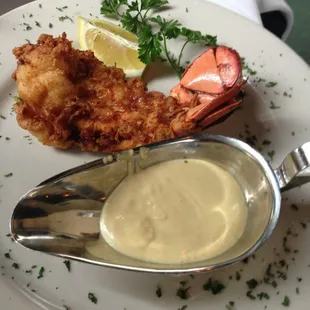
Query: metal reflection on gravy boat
x=61, y=215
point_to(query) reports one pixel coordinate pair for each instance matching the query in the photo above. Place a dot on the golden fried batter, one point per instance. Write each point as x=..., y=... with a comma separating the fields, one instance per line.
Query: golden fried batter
x=69, y=98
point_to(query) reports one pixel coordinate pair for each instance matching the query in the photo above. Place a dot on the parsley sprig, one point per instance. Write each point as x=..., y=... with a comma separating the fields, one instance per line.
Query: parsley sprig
x=154, y=32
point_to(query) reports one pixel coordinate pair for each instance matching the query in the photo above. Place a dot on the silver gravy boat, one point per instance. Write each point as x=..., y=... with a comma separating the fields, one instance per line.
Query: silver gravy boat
x=61, y=215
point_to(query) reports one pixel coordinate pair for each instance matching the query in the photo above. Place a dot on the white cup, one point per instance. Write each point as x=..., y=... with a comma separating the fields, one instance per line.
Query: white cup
x=253, y=8
x=281, y=6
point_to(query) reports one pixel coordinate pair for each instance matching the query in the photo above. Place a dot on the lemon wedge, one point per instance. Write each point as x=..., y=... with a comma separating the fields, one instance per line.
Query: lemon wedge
x=111, y=44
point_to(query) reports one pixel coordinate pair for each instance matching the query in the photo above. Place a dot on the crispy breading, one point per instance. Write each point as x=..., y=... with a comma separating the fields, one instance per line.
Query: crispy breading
x=70, y=98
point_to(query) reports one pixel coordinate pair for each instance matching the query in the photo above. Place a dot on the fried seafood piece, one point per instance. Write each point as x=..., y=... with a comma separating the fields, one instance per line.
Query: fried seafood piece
x=69, y=98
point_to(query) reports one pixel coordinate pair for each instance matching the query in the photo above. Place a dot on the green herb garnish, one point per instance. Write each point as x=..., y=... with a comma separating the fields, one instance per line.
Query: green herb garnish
x=183, y=292
x=92, y=298
x=250, y=295
x=271, y=84
x=154, y=33
x=271, y=154
x=15, y=265
x=230, y=305
x=238, y=276
x=266, y=142
x=41, y=272
x=17, y=99
x=273, y=106
x=63, y=18
x=286, y=302
x=263, y=295
x=159, y=292
x=38, y=24
x=8, y=174
x=7, y=255
x=285, y=247
x=50, y=25
x=252, y=284
x=61, y=9
x=214, y=286
x=282, y=263
x=28, y=27
x=67, y=264
x=246, y=67
x=294, y=207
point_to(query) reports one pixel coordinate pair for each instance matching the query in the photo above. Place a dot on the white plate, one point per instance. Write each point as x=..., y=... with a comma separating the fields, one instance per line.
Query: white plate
x=32, y=163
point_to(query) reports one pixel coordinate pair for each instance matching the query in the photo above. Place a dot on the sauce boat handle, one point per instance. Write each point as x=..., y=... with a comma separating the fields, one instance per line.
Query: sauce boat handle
x=291, y=173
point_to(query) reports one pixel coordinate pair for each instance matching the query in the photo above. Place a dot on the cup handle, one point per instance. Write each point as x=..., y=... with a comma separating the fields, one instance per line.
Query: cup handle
x=284, y=8
x=288, y=174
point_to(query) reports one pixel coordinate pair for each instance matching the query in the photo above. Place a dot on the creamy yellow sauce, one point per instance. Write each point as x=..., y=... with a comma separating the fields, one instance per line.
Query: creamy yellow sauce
x=178, y=211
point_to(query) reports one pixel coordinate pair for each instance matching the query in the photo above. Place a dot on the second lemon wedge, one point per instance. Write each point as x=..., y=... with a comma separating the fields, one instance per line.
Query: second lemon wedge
x=111, y=44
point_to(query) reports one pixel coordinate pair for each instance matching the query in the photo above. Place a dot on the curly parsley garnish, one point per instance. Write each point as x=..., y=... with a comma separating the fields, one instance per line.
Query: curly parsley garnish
x=154, y=32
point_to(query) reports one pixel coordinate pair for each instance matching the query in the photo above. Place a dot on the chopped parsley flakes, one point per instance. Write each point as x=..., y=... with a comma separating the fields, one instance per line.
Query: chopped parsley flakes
x=230, y=305
x=273, y=106
x=159, y=291
x=61, y=9
x=63, y=18
x=183, y=292
x=250, y=295
x=17, y=99
x=7, y=255
x=271, y=84
x=294, y=207
x=92, y=298
x=214, y=286
x=67, y=264
x=286, y=302
x=252, y=284
x=263, y=295
x=41, y=273
x=271, y=154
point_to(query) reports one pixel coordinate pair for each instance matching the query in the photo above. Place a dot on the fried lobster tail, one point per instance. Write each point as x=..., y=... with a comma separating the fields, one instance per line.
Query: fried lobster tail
x=69, y=98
